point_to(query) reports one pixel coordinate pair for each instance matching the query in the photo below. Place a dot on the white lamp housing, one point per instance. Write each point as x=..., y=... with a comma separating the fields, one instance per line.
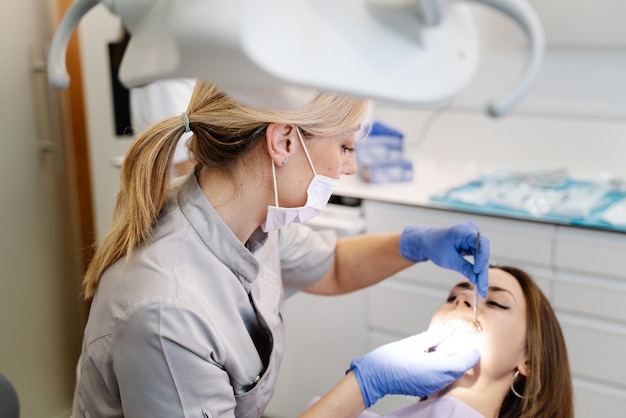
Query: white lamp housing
x=277, y=53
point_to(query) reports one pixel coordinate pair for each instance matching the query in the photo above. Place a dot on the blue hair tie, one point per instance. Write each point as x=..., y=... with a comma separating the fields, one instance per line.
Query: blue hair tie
x=186, y=122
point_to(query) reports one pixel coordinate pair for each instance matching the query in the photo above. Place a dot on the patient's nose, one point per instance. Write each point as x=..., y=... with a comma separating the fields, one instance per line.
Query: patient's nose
x=464, y=300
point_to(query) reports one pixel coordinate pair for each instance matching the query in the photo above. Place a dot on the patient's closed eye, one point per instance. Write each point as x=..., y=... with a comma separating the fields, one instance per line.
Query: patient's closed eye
x=497, y=305
x=493, y=303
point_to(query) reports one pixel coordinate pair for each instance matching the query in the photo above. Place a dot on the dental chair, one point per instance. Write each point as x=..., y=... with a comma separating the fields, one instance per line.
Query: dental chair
x=9, y=402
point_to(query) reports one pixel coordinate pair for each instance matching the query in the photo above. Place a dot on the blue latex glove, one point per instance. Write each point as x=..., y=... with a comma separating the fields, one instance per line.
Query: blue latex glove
x=446, y=248
x=406, y=368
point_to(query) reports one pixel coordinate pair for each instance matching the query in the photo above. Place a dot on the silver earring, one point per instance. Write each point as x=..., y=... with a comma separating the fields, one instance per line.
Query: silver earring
x=515, y=376
x=285, y=161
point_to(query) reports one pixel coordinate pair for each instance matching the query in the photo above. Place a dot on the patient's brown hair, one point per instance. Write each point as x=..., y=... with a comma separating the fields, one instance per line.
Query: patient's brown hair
x=547, y=390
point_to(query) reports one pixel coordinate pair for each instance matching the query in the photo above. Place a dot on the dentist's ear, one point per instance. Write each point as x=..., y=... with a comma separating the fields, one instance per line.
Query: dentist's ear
x=279, y=141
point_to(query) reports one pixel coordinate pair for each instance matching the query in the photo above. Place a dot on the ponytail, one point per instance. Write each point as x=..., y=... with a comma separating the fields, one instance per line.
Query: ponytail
x=144, y=188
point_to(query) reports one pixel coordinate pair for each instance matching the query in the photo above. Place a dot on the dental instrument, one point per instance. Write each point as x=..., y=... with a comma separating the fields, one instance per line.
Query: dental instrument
x=277, y=54
x=478, y=326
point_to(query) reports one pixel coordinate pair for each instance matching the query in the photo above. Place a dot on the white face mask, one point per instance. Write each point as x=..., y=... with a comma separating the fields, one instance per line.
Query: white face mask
x=318, y=193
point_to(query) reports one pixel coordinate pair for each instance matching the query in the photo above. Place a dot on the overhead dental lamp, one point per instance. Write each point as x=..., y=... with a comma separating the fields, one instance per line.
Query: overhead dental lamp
x=278, y=53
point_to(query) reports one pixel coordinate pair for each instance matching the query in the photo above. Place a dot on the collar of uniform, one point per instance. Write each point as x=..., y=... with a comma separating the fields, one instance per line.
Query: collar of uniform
x=216, y=235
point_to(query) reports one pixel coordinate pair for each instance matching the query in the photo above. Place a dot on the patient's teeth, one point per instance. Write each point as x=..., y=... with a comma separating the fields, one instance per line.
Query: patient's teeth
x=466, y=326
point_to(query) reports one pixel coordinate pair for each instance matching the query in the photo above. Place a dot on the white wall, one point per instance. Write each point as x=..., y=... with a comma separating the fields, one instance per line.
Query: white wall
x=41, y=316
x=574, y=116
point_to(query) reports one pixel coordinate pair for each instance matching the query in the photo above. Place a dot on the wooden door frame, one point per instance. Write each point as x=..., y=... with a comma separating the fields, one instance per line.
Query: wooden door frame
x=76, y=144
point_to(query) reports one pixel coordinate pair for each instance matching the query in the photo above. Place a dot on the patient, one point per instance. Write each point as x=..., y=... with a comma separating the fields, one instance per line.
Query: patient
x=523, y=369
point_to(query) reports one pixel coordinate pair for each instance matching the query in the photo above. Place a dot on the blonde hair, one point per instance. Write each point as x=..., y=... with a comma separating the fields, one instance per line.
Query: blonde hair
x=224, y=131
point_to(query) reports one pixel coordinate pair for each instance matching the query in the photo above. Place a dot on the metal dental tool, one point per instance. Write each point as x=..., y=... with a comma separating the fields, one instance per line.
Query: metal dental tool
x=478, y=326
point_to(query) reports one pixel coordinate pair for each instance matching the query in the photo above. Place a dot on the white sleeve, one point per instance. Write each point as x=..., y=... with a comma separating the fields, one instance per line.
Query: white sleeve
x=306, y=255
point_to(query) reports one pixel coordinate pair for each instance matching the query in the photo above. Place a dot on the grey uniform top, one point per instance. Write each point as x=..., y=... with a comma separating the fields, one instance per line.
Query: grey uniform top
x=191, y=326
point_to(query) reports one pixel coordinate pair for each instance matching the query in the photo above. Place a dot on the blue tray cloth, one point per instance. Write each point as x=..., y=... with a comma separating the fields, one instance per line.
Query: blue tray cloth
x=556, y=203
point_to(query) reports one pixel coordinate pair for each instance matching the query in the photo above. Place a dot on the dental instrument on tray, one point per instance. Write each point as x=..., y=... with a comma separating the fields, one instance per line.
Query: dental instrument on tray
x=478, y=326
x=418, y=53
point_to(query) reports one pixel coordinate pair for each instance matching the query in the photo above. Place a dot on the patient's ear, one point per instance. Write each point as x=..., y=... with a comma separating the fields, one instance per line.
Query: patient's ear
x=523, y=368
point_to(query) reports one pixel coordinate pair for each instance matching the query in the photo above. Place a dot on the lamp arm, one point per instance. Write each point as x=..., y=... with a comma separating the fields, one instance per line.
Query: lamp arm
x=526, y=17
x=57, y=70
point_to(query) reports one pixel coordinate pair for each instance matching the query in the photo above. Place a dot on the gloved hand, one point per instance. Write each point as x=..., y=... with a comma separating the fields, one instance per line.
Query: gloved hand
x=406, y=368
x=446, y=248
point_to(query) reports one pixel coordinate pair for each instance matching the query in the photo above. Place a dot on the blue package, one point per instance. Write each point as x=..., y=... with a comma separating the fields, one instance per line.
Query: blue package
x=378, y=129
x=382, y=172
x=383, y=144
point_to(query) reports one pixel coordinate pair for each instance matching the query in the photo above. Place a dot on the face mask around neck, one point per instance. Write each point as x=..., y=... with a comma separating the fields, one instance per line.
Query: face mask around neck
x=318, y=194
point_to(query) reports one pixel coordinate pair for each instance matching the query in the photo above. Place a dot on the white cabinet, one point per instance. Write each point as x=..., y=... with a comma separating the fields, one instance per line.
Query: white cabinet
x=599, y=253
x=520, y=241
x=583, y=273
x=590, y=296
x=323, y=335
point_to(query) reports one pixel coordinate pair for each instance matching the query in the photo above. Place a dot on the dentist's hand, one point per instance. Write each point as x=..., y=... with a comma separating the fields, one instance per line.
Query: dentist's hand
x=446, y=248
x=406, y=368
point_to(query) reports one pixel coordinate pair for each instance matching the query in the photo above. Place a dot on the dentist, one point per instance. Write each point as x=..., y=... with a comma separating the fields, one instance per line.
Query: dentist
x=188, y=284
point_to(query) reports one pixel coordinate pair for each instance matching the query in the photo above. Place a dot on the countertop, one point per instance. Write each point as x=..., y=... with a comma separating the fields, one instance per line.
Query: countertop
x=429, y=177
x=435, y=177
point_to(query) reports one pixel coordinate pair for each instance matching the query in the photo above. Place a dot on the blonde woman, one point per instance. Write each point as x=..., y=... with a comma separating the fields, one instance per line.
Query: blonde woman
x=188, y=285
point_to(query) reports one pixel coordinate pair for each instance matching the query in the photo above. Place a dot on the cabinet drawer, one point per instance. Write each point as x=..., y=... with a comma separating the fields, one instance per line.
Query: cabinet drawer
x=596, y=349
x=593, y=400
x=593, y=296
x=402, y=308
x=542, y=276
x=511, y=240
x=520, y=242
x=599, y=252
x=430, y=274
